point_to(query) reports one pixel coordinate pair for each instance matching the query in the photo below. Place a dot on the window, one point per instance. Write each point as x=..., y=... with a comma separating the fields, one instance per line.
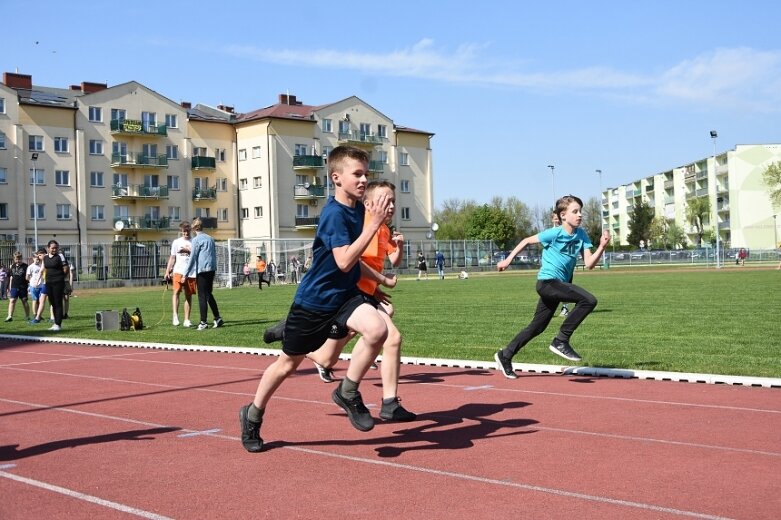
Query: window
x=3, y=211
x=256, y=152
x=149, y=151
x=172, y=151
x=404, y=186
x=404, y=159
x=327, y=151
x=365, y=129
x=62, y=178
x=95, y=114
x=63, y=211
x=151, y=181
x=199, y=151
x=300, y=149
x=243, y=154
x=121, y=212
x=3, y=176
x=97, y=212
x=171, y=121
x=120, y=179
x=242, y=184
x=41, y=211
x=256, y=182
x=219, y=154
x=383, y=156
x=258, y=211
x=222, y=184
x=119, y=149
x=245, y=213
x=95, y=147
x=35, y=143
x=149, y=122
x=2, y=141
x=174, y=213
x=202, y=212
x=404, y=213
x=173, y=182
x=302, y=210
x=382, y=131
x=2, y=105
x=222, y=214
x=200, y=183
x=37, y=176
x=344, y=127
x=118, y=114
x=328, y=126
x=61, y=144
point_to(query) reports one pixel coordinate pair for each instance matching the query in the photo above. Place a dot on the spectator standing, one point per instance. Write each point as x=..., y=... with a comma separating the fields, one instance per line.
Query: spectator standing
x=56, y=272
x=422, y=266
x=261, y=268
x=742, y=255
x=37, y=285
x=247, y=274
x=175, y=271
x=271, y=271
x=18, y=286
x=439, y=260
x=203, y=263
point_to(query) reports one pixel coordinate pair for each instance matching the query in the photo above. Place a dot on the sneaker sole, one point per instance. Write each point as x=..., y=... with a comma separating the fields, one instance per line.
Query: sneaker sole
x=242, y=420
x=409, y=417
x=338, y=400
x=561, y=354
x=501, y=368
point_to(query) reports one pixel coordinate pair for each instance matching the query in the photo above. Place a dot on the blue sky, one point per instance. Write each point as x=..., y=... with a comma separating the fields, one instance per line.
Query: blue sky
x=508, y=88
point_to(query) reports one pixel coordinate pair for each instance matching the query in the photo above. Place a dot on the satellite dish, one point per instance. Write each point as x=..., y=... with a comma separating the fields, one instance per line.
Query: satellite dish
x=119, y=225
x=434, y=227
x=306, y=185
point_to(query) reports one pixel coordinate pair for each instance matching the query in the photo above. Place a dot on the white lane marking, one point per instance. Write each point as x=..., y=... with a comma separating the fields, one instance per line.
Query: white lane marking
x=196, y=434
x=81, y=496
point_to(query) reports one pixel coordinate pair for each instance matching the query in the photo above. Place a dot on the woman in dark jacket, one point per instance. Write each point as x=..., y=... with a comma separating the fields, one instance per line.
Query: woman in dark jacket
x=56, y=272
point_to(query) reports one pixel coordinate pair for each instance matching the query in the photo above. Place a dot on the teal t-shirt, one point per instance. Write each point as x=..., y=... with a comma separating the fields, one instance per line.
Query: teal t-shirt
x=560, y=252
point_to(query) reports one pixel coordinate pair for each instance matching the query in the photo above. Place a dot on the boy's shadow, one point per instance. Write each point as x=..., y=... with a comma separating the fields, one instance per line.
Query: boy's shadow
x=430, y=377
x=438, y=433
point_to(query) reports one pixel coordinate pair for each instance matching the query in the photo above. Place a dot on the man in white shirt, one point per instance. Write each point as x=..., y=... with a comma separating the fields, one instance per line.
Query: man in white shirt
x=175, y=271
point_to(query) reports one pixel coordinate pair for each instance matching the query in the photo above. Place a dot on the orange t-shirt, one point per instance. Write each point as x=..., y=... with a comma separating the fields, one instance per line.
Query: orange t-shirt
x=260, y=266
x=374, y=256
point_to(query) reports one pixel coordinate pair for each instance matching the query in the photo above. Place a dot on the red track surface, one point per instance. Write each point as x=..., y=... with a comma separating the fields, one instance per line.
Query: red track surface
x=99, y=432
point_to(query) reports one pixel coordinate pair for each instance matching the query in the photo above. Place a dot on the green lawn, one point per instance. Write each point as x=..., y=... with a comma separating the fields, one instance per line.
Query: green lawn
x=703, y=321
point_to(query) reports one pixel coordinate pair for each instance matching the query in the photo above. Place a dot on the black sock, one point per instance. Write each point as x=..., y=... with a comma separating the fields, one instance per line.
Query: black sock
x=389, y=400
x=254, y=413
x=348, y=388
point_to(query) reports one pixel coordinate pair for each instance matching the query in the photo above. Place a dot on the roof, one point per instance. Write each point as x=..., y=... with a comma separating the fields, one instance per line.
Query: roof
x=48, y=96
x=281, y=111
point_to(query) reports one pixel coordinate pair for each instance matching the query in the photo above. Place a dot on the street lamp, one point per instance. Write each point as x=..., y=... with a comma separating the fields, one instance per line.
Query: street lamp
x=553, y=181
x=714, y=135
x=601, y=219
x=34, y=159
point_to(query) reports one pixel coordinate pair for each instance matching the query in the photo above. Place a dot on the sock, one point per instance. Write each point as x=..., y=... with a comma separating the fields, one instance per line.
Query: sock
x=389, y=401
x=348, y=388
x=254, y=413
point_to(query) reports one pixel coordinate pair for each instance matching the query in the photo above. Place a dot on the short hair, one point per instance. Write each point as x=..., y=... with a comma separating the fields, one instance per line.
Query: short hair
x=17, y=254
x=197, y=224
x=52, y=241
x=339, y=153
x=373, y=185
x=563, y=203
x=184, y=225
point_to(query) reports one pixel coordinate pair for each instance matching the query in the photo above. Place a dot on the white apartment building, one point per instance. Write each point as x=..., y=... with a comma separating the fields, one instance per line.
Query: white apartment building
x=732, y=181
x=96, y=164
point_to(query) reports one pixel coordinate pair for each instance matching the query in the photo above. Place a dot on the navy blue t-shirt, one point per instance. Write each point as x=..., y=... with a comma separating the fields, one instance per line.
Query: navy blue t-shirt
x=325, y=287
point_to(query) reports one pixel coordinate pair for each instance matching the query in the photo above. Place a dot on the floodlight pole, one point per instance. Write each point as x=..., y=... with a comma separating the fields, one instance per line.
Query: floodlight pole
x=601, y=218
x=34, y=159
x=714, y=135
x=553, y=182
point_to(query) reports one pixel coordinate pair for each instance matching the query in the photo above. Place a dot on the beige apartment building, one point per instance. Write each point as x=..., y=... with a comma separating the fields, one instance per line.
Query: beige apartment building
x=95, y=164
x=732, y=181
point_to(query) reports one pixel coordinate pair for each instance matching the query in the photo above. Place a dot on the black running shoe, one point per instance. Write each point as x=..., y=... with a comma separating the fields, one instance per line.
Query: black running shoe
x=326, y=374
x=564, y=349
x=250, y=432
x=357, y=412
x=275, y=333
x=505, y=366
x=374, y=366
x=395, y=412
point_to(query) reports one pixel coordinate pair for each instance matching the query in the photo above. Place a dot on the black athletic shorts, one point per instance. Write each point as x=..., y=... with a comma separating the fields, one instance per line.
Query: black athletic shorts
x=307, y=330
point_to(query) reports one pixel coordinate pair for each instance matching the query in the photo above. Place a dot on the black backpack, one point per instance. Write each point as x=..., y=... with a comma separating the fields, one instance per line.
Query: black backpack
x=124, y=322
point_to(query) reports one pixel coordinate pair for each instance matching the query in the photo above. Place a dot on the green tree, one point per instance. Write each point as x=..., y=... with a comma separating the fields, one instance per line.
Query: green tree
x=453, y=218
x=490, y=223
x=696, y=212
x=519, y=213
x=659, y=232
x=772, y=177
x=592, y=219
x=676, y=236
x=640, y=219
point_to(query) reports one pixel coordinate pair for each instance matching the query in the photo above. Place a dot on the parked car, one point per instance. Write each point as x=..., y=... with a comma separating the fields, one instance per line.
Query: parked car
x=640, y=254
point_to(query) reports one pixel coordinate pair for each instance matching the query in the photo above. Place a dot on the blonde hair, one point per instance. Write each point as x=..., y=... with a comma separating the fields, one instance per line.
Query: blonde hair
x=197, y=224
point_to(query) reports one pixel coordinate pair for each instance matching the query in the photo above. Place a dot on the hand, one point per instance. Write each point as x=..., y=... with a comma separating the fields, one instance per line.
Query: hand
x=397, y=239
x=605, y=238
x=503, y=264
x=379, y=209
x=382, y=296
x=390, y=281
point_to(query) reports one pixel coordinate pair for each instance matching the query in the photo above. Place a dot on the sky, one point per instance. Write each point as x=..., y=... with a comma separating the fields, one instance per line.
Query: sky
x=506, y=87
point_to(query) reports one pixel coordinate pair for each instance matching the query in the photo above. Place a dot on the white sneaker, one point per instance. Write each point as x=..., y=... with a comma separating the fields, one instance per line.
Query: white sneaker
x=187, y=324
x=203, y=326
x=55, y=327
x=176, y=321
x=564, y=311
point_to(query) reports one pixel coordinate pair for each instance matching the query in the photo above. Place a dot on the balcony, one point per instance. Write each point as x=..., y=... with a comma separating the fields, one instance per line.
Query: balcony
x=649, y=188
x=209, y=222
x=136, y=127
x=689, y=177
x=702, y=174
x=202, y=163
x=145, y=223
x=376, y=167
x=307, y=162
x=668, y=185
x=702, y=192
x=137, y=159
x=311, y=191
x=200, y=194
x=633, y=193
x=724, y=225
x=360, y=138
x=307, y=222
x=139, y=191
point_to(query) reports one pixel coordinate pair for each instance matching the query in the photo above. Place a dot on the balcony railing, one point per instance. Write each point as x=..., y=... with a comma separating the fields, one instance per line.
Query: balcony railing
x=724, y=225
x=139, y=191
x=202, y=163
x=137, y=159
x=136, y=127
x=360, y=138
x=204, y=194
x=307, y=222
x=701, y=192
x=305, y=162
x=702, y=174
x=668, y=185
x=145, y=223
x=302, y=191
x=376, y=166
x=209, y=222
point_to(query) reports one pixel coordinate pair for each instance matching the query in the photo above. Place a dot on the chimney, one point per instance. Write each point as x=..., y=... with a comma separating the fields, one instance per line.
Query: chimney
x=89, y=87
x=16, y=80
x=75, y=87
x=186, y=104
x=283, y=99
x=225, y=108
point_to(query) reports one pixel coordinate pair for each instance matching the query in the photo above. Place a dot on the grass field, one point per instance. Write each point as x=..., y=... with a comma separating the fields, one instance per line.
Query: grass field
x=684, y=320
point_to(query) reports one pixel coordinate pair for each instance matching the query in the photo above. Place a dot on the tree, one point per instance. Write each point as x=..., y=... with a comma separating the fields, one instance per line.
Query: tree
x=490, y=223
x=519, y=213
x=453, y=219
x=696, y=212
x=640, y=220
x=676, y=237
x=772, y=177
x=592, y=219
x=659, y=232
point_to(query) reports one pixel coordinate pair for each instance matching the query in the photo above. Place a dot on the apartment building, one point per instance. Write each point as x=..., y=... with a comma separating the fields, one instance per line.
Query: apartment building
x=96, y=164
x=732, y=182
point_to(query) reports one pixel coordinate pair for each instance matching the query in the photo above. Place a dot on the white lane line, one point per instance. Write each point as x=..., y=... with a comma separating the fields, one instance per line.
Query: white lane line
x=202, y=432
x=81, y=496
x=418, y=469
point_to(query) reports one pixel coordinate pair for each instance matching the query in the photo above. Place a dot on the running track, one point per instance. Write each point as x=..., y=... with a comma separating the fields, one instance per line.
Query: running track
x=103, y=432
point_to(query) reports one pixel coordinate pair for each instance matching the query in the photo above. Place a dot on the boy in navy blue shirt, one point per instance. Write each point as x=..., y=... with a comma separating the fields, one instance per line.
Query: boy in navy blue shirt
x=328, y=303
x=561, y=247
